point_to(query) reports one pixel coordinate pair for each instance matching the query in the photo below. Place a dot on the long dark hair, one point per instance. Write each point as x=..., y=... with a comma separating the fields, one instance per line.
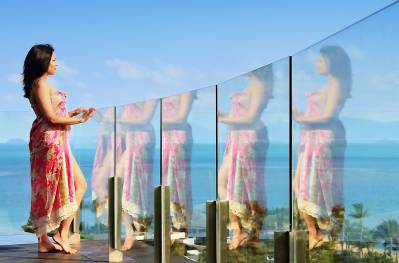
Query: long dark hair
x=36, y=64
x=339, y=65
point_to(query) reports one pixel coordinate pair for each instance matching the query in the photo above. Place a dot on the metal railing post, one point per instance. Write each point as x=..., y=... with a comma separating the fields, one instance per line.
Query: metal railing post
x=162, y=224
x=211, y=231
x=282, y=247
x=222, y=219
x=114, y=219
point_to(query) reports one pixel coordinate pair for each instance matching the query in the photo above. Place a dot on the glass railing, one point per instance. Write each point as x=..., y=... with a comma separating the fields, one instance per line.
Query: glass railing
x=232, y=142
x=93, y=145
x=15, y=180
x=137, y=164
x=189, y=167
x=345, y=94
x=253, y=113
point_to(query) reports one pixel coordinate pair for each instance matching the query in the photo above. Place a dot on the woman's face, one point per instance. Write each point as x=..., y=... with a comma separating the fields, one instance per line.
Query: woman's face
x=53, y=65
x=322, y=65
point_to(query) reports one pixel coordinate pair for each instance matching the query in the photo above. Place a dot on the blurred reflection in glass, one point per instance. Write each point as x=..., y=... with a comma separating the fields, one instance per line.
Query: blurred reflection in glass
x=176, y=156
x=103, y=164
x=136, y=166
x=241, y=175
x=318, y=181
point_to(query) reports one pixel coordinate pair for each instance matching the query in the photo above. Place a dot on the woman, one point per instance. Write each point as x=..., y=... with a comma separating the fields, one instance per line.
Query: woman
x=57, y=182
x=136, y=166
x=103, y=164
x=318, y=181
x=241, y=175
x=176, y=157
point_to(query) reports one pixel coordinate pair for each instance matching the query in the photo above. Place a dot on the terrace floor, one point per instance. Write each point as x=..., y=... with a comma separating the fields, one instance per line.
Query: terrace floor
x=89, y=251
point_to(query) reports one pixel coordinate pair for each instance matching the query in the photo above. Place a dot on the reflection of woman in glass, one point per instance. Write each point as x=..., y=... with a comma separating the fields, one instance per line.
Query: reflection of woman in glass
x=103, y=164
x=241, y=175
x=176, y=157
x=318, y=182
x=136, y=167
x=57, y=181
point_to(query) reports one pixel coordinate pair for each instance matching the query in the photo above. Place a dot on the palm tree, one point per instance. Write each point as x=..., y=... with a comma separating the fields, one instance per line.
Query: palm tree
x=388, y=229
x=359, y=212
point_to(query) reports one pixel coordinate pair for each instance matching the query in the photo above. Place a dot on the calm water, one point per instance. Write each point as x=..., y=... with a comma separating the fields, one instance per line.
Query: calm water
x=371, y=177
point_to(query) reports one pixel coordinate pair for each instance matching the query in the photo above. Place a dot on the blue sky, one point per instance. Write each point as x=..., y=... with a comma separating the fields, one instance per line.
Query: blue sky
x=118, y=54
x=113, y=54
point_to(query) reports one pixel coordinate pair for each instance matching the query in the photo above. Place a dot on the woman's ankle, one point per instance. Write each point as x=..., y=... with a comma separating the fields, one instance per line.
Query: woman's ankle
x=64, y=235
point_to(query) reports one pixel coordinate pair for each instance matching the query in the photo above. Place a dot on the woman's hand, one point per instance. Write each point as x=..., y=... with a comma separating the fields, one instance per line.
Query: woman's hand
x=76, y=112
x=222, y=116
x=296, y=114
x=87, y=114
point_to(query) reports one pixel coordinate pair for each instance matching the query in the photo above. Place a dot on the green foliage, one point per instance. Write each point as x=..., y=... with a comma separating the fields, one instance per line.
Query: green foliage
x=178, y=248
x=328, y=254
x=29, y=228
x=386, y=230
x=255, y=252
x=358, y=211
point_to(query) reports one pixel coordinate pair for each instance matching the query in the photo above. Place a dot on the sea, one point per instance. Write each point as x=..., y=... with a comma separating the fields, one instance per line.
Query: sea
x=371, y=177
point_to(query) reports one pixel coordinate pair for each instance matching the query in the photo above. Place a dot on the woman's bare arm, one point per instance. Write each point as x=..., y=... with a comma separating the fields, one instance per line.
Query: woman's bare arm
x=145, y=117
x=334, y=95
x=258, y=96
x=42, y=93
x=186, y=101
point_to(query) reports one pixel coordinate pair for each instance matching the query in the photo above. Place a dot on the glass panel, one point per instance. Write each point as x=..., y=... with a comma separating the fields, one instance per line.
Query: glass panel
x=137, y=163
x=93, y=147
x=15, y=184
x=254, y=160
x=345, y=92
x=189, y=166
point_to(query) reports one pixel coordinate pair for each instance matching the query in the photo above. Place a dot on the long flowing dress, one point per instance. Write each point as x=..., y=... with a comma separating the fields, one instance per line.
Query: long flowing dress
x=139, y=147
x=52, y=182
x=319, y=177
x=103, y=164
x=176, y=157
x=245, y=152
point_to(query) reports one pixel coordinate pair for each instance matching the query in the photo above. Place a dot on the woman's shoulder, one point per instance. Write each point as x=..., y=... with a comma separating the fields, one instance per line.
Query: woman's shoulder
x=52, y=87
x=44, y=84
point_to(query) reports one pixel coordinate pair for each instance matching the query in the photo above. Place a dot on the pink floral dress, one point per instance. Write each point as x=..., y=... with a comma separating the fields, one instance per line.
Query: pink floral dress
x=103, y=164
x=319, y=176
x=139, y=147
x=176, y=156
x=245, y=152
x=53, y=190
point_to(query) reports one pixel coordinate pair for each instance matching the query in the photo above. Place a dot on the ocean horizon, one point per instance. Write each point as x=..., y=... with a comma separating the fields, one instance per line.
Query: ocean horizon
x=371, y=177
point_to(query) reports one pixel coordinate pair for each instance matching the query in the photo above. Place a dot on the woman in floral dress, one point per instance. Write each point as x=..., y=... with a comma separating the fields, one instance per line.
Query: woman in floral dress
x=136, y=168
x=57, y=182
x=318, y=182
x=176, y=157
x=242, y=173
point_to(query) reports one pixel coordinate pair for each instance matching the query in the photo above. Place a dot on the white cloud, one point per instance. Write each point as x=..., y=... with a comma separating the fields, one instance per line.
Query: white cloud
x=86, y=99
x=74, y=83
x=65, y=70
x=387, y=80
x=355, y=52
x=14, y=78
x=166, y=74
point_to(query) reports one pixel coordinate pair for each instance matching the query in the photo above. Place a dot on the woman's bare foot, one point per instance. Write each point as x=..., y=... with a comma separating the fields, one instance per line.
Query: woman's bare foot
x=315, y=241
x=63, y=242
x=239, y=240
x=48, y=247
x=322, y=240
x=129, y=242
